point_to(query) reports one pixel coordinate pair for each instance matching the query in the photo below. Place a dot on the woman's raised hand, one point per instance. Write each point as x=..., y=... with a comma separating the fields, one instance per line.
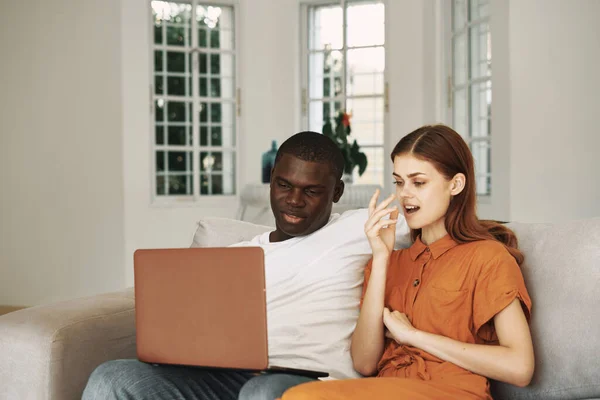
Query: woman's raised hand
x=381, y=232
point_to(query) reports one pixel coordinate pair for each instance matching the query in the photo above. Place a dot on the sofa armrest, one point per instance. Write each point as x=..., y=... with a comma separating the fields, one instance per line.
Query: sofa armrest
x=48, y=352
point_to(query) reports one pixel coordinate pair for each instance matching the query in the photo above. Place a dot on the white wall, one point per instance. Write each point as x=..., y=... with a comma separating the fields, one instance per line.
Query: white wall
x=61, y=196
x=554, y=109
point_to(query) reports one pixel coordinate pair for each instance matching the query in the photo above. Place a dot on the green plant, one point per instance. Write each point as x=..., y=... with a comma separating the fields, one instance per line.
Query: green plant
x=353, y=157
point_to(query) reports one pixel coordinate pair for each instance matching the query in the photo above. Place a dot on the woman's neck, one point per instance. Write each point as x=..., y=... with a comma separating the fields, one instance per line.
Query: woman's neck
x=433, y=232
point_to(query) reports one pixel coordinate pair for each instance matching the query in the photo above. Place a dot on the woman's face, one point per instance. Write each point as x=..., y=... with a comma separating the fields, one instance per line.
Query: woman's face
x=423, y=192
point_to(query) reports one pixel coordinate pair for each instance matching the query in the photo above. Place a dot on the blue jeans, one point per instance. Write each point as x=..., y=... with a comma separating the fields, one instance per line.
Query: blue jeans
x=135, y=380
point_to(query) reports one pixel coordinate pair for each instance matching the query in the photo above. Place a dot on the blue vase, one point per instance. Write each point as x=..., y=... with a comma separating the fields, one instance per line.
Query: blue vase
x=268, y=161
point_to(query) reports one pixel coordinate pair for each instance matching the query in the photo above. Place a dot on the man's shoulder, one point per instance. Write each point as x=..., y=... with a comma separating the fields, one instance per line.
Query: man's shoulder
x=350, y=223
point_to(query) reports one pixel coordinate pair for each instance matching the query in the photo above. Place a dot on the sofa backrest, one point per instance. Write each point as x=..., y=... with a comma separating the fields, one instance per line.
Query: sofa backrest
x=220, y=232
x=562, y=273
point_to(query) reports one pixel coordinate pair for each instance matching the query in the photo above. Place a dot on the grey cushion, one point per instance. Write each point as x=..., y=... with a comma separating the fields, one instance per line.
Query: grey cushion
x=562, y=273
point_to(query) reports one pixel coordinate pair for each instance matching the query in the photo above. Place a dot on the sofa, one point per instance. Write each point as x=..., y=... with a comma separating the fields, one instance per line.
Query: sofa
x=48, y=352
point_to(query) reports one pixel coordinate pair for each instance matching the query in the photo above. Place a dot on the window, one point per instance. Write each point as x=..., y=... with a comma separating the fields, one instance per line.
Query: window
x=471, y=83
x=344, y=58
x=193, y=100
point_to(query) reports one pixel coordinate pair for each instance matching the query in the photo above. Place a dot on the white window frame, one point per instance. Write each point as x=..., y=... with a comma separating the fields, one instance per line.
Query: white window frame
x=450, y=89
x=196, y=198
x=304, y=80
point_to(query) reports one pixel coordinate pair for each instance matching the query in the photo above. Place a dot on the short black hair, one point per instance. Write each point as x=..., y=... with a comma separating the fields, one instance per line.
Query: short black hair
x=314, y=147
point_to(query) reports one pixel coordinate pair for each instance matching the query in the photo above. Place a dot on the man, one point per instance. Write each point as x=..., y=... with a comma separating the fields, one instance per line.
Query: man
x=314, y=271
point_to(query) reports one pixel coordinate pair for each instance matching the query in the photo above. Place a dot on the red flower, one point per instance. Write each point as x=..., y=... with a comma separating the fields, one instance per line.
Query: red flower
x=346, y=120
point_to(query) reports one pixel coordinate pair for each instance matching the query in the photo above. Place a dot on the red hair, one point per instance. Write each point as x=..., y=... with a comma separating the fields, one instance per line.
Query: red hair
x=448, y=152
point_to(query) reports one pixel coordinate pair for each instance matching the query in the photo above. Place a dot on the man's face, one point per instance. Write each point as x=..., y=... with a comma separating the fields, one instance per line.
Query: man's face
x=302, y=194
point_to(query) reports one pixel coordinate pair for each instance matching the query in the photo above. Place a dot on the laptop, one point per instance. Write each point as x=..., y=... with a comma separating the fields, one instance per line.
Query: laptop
x=204, y=307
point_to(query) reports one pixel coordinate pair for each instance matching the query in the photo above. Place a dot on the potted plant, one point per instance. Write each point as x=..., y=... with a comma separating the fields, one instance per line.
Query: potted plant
x=353, y=157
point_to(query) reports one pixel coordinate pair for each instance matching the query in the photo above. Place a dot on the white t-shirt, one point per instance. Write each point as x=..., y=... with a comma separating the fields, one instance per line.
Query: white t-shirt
x=314, y=284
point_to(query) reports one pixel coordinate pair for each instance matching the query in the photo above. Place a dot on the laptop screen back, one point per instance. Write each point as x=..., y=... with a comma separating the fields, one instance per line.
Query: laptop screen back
x=201, y=307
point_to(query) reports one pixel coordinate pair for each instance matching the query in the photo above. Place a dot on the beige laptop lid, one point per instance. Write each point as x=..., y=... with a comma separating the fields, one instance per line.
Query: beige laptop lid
x=201, y=307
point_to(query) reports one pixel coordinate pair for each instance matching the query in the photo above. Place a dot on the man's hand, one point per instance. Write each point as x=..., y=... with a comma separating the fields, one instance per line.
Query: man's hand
x=381, y=232
x=398, y=327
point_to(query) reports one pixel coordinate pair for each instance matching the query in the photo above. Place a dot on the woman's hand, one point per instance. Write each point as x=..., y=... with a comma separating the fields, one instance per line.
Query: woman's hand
x=398, y=327
x=381, y=232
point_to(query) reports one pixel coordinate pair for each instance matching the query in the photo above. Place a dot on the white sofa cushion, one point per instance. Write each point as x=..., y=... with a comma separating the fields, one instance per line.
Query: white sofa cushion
x=220, y=232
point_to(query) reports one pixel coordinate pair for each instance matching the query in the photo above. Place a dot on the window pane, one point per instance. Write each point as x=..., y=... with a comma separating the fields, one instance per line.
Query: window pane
x=215, y=64
x=459, y=14
x=158, y=61
x=481, y=51
x=216, y=112
x=214, y=38
x=325, y=27
x=221, y=184
x=158, y=33
x=482, y=157
x=160, y=132
x=203, y=135
x=481, y=109
x=159, y=85
x=204, y=184
x=176, y=61
x=483, y=184
x=319, y=112
x=203, y=109
x=176, y=17
x=226, y=39
x=221, y=87
x=161, y=187
x=459, y=59
x=177, y=135
x=366, y=24
x=202, y=37
x=179, y=161
x=374, y=172
x=203, y=87
x=217, y=172
x=177, y=86
x=203, y=63
x=160, y=161
x=325, y=74
x=365, y=71
x=207, y=162
x=177, y=36
x=228, y=132
x=479, y=9
x=180, y=184
x=367, y=120
x=214, y=17
x=177, y=111
x=159, y=110
x=459, y=112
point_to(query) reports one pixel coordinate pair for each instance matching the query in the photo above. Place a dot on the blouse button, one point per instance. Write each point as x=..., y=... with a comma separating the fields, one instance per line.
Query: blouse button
x=416, y=282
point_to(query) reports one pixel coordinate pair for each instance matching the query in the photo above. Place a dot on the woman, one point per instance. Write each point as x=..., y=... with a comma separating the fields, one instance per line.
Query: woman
x=439, y=318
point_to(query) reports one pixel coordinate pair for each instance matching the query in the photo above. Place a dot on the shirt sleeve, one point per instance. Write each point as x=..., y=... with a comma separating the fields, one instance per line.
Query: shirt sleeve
x=499, y=283
x=366, y=280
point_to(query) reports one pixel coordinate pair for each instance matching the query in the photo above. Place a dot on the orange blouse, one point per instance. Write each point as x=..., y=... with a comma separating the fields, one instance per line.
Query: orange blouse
x=447, y=289
x=451, y=290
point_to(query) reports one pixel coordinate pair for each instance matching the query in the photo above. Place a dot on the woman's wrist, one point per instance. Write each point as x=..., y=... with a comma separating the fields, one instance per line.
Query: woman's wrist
x=381, y=259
